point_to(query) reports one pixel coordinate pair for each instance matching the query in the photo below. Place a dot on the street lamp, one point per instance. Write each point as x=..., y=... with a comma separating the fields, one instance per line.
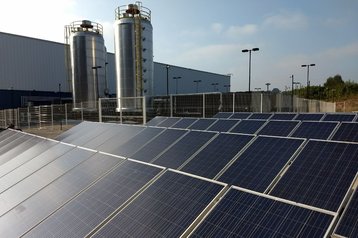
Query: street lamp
x=308, y=77
x=197, y=84
x=167, y=67
x=214, y=88
x=96, y=72
x=268, y=85
x=176, y=84
x=227, y=86
x=244, y=51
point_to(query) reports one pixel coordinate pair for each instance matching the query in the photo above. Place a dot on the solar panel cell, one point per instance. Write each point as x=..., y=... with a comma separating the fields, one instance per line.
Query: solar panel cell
x=202, y=124
x=283, y=116
x=260, y=116
x=248, y=126
x=339, y=117
x=155, y=121
x=169, y=122
x=346, y=132
x=348, y=226
x=315, y=130
x=309, y=116
x=223, y=115
x=278, y=128
x=240, y=115
x=223, y=125
x=184, y=123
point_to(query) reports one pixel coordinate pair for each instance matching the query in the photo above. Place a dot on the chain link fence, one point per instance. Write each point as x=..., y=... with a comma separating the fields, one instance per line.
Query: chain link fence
x=139, y=110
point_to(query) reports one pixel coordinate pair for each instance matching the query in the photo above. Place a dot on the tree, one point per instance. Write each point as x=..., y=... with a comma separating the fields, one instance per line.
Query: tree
x=335, y=86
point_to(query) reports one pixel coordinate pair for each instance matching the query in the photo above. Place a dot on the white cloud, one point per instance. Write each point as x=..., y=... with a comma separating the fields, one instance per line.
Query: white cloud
x=235, y=31
x=287, y=20
x=217, y=27
x=340, y=52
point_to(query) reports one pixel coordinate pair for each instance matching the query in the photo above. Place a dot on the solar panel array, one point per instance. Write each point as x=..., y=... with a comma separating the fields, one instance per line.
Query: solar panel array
x=206, y=179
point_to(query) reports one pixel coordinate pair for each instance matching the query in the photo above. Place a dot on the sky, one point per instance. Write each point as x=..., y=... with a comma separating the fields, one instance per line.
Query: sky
x=210, y=35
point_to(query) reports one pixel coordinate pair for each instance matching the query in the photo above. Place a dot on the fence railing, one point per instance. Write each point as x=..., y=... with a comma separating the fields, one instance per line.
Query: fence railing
x=139, y=110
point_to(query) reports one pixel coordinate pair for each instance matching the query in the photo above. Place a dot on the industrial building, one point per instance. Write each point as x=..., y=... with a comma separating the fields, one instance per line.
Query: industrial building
x=33, y=71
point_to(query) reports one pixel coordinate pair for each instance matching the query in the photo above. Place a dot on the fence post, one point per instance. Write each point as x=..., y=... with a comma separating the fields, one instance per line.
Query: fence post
x=233, y=102
x=261, y=102
x=100, y=109
x=28, y=117
x=145, y=111
x=81, y=111
x=51, y=116
x=4, y=118
x=203, y=105
x=18, y=117
x=171, y=105
x=66, y=114
x=39, y=117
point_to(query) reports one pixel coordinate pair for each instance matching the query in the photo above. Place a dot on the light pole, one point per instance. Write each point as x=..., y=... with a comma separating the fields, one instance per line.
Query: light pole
x=167, y=67
x=268, y=85
x=308, y=78
x=214, y=88
x=197, y=84
x=96, y=71
x=176, y=84
x=293, y=82
x=227, y=86
x=244, y=51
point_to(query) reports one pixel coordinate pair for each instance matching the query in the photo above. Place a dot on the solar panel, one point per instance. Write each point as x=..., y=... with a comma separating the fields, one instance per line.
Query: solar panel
x=135, y=143
x=213, y=158
x=40, y=205
x=248, y=126
x=347, y=132
x=155, y=121
x=223, y=115
x=283, y=116
x=243, y=214
x=309, y=116
x=184, y=149
x=223, y=125
x=13, y=141
x=261, y=162
x=158, y=145
x=240, y=115
x=169, y=122
x=348, y=226
x=278, y=128
x=260, y=116
x=82, y=214
x=13, y=194
x=321, y=174
x=74, y=130
x=184, y=123
x=202, y=124
x=164, y=209
x=339, y=117
x=315, y=130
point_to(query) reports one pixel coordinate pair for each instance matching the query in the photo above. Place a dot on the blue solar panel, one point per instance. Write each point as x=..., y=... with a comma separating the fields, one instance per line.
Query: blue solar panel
x=223, y=115
x=169, y=122
x=82, y=214
x=278, y=128
x=309, y=116
x=135, y=143
x=339, y=117
x=321, y=175
x=164, y=209
x=184, y=149
x=158, y=145
x=283, y=116
x=223, y=125
x=213, y=158
x=240, y=115
x=248, y=126
x=348, y=225
x=39, y=206
x=261, y=162
x=315, y=130
x=260, y=116
x=184, y=123
x=155, y=121
x=202, y=124
x=242, y=214
x=347, y=132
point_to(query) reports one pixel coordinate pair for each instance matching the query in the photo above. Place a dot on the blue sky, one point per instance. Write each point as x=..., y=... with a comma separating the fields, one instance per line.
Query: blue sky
x=209, y=35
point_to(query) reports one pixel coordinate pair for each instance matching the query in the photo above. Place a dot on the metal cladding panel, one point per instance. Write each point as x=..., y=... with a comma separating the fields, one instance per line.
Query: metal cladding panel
x=88, y=84
x=82, y=214
x=242, y=214
x=321, y=174
x=40, y=205
x=31, y=64
x=165, y=209
x=348, y=226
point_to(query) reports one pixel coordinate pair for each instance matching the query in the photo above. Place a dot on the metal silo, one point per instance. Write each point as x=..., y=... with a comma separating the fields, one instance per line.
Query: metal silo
x=87, y=63
x=133, y=54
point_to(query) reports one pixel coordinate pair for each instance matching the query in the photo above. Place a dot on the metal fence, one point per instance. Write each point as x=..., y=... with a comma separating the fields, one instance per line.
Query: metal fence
x=137, y=111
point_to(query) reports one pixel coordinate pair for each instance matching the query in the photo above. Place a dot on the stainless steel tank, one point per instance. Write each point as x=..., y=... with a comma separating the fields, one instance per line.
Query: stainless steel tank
x=134, y=55
x=87, y=63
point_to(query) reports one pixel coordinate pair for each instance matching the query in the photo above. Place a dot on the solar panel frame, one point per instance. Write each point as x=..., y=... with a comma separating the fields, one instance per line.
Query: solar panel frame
x=169, y=122
x=247, y=126
x=223, y=115
x=170, y=198
x=184, y=123
x=155, y=121
x=277, y=128
x=202, y=124
x=340, y=117
x=309, y=116
x=347, y=131
x=260, y=116
x=315, y=130
x=283, y=116
x=240, y=115
x=312, y=172
x=223, y=125
x=235, y=219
